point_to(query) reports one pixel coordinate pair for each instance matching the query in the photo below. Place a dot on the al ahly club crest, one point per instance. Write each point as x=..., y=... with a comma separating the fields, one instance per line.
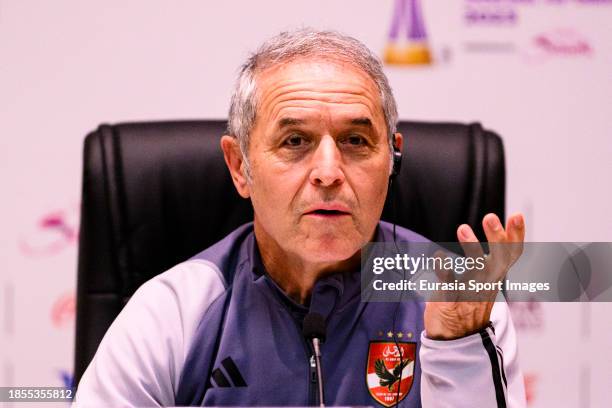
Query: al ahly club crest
x=384, y=369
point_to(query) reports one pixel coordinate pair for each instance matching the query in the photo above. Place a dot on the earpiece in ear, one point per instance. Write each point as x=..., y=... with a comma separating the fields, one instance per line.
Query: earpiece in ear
x=397, y=160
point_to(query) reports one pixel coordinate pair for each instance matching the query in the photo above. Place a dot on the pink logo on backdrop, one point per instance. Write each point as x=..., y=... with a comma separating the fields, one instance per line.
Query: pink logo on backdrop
x=52, y=233
x=63, y=310
x=558, y=43
x=563, y=42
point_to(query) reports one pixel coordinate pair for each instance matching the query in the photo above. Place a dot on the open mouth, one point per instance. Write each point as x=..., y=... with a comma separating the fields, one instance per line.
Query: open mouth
x=328, y=213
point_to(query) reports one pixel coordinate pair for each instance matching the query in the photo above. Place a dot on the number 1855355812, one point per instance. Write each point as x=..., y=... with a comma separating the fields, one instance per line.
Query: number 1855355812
x=35, y=394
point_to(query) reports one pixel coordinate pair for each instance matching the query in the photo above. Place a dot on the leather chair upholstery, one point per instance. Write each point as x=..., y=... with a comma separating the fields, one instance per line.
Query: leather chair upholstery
x=155, y=194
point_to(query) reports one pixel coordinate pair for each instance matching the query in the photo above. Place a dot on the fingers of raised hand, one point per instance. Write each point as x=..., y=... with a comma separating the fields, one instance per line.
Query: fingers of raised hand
x=505, y=245
x=515, y=230
x=493, y=228
x=496, y=236
x=469, y=241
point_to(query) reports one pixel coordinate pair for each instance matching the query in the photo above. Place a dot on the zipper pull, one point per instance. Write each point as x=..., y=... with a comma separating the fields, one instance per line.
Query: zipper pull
x=313, y=370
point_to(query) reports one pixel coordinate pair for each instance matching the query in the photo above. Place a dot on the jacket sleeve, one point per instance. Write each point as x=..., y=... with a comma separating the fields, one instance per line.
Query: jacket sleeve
x=140, y=358
x=480, y=370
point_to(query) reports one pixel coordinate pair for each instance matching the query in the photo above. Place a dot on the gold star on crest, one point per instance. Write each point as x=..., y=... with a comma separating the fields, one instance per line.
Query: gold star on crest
x=389, y=334
x=380, y=334
x=409, y=334
x=400, y=335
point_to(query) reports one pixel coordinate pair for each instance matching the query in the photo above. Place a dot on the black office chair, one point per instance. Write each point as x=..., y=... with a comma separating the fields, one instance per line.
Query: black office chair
x=154, y=194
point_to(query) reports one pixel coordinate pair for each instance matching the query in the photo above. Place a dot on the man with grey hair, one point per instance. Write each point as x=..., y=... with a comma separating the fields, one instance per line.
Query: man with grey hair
x=311, y=142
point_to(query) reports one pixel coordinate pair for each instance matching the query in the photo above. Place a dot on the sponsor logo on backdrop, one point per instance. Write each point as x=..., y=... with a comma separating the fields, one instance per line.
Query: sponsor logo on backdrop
x=407, y=40
x=63, y=311
x=507, y=12
x=408, y=44
x=558, y=43
x=52, y=233
x=565, y=42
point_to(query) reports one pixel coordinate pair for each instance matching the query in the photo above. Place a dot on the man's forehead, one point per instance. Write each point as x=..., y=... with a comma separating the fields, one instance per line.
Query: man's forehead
x=323, y=70
x=286, y=87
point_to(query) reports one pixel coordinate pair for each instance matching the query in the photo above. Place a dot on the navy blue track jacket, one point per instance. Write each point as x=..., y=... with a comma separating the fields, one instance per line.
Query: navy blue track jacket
x=217, y=330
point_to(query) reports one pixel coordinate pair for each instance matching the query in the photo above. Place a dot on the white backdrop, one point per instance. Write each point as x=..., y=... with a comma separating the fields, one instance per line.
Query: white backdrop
x=536, y=71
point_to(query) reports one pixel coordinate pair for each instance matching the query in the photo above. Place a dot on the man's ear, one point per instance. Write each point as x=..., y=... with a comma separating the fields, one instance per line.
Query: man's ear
x=235, y=164
x=398, y=141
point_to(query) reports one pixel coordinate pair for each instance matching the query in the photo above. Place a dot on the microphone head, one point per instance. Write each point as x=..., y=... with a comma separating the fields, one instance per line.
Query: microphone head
x=314, y=326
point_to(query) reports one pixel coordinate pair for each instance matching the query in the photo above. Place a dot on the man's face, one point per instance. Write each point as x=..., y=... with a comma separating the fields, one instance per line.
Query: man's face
x=319, y=158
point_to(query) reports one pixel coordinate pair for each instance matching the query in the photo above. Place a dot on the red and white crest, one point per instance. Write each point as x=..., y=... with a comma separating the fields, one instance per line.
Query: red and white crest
x=384, y=368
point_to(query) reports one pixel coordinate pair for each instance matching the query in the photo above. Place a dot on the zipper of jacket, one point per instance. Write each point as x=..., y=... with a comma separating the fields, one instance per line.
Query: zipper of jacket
x=313, y=387
x=312, y=371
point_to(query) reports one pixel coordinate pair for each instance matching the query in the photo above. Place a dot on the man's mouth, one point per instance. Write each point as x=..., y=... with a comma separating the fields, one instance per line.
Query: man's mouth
x=331, y=210
x=328, y=213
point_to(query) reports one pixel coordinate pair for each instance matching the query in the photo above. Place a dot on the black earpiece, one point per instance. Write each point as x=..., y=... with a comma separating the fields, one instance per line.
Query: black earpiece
x=397, y=160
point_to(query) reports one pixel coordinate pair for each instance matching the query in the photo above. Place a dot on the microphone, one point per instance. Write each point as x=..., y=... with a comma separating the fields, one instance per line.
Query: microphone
x=313, y=329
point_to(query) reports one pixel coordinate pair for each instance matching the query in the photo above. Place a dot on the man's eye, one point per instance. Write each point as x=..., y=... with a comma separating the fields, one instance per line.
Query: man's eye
x=356, y=140
x=295, y=141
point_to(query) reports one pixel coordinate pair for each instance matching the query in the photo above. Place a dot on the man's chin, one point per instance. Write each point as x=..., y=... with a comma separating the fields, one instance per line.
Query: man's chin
x=330, y=250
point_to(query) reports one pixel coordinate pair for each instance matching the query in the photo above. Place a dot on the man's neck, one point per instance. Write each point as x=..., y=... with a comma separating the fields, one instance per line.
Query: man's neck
x=292, y=274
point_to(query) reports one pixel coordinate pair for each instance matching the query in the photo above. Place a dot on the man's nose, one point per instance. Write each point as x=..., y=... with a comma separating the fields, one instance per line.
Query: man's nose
x=327, y=164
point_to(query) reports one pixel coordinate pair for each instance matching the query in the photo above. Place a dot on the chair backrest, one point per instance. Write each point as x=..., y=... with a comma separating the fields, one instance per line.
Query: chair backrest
x=156, y=193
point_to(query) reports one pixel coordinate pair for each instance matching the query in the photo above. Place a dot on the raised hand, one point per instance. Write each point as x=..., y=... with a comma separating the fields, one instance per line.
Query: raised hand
x=464, y=313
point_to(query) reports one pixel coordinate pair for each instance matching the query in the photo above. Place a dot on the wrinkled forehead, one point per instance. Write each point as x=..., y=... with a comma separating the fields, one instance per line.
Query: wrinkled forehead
x=300, y=80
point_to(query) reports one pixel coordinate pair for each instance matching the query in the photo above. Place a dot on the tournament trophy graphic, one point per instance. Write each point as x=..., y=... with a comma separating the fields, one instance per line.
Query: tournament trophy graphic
x=413, y=50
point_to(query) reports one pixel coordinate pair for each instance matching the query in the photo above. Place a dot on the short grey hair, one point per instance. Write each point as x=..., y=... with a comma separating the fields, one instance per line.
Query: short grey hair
x=287, y=46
